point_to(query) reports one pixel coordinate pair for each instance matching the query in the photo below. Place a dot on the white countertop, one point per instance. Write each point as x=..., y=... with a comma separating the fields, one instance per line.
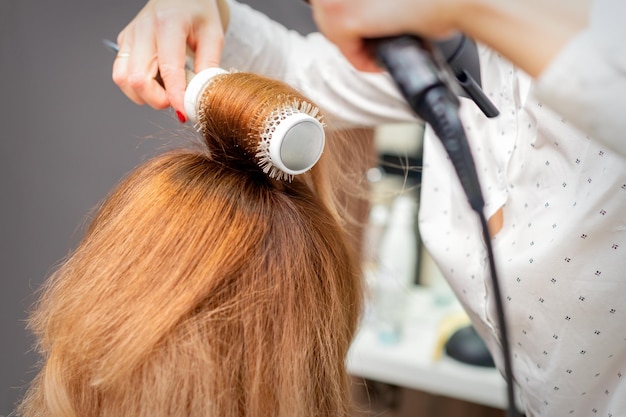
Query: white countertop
x=413, y=362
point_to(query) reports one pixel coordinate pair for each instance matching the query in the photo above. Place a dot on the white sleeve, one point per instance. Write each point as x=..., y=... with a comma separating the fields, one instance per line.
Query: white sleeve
x=586, y=82
x=315, y=67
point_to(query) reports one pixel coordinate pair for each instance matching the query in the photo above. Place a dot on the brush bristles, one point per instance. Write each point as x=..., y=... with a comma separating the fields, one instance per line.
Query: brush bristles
x=267, y=131
x=240, y=112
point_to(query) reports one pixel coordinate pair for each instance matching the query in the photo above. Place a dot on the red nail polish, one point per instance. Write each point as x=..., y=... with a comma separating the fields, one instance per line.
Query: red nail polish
x=181, y=116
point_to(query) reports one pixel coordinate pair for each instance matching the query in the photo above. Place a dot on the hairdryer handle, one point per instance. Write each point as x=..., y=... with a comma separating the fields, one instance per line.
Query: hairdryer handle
x=461, y=54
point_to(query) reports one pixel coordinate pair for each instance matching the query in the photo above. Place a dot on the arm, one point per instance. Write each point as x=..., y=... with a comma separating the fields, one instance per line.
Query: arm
x=586, y=82
x=164, y=31
x=574, y=48
x=529, y=33
x=575, y=51
x=314, y=66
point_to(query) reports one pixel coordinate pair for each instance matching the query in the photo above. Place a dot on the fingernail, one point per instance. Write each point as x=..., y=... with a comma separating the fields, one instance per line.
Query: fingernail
x=181, y=116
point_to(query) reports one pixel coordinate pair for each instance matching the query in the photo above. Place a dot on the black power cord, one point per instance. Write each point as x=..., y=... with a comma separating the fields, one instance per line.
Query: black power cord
x=419, y=73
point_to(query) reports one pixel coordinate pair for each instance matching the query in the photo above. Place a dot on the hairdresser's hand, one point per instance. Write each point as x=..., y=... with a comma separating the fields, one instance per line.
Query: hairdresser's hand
x=157, y=40
x=529, y=33
x=347, y=22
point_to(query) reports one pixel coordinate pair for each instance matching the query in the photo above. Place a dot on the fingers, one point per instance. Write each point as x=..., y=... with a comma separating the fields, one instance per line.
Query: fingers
x=171, y=42
x=359, y=56
x=336, y=20
x=209, y=39
x=209, y=48
x=136, y=66
x=120, y=67
x=144, y=65
x=155, y=42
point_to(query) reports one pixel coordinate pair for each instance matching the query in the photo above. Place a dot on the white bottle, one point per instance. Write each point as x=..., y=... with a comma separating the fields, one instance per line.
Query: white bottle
x=372, y=236
x=373, y=233
x=396, y=270
x=398, y=248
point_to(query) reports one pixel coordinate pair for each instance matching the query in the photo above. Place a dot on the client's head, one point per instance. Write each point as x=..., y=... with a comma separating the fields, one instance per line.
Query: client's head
x=203, y=287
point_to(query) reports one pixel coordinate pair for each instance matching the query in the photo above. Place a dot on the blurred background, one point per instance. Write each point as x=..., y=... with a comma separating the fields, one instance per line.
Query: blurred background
x=68, y=135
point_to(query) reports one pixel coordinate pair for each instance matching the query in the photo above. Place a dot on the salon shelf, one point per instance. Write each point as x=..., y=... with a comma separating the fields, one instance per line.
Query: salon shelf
x=414, y=361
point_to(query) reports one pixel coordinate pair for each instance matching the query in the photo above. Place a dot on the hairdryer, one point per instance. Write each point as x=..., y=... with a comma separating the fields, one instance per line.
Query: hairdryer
x=452, y=61
x=461, y=55
x=429, y=84
x=429, y=75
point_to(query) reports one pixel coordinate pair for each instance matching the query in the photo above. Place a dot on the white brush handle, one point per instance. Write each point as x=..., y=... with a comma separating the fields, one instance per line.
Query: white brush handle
x=196, y=87
x=296, y=141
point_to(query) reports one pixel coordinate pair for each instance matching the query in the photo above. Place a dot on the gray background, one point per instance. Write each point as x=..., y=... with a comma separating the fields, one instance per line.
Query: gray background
x=67, y=135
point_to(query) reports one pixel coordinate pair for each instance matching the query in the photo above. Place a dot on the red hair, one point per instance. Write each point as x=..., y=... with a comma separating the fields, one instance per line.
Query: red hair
x=204, y=288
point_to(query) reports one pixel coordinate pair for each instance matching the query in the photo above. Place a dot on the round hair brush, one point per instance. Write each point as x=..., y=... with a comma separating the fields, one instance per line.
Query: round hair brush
x=281, y=130
x=287, y=133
